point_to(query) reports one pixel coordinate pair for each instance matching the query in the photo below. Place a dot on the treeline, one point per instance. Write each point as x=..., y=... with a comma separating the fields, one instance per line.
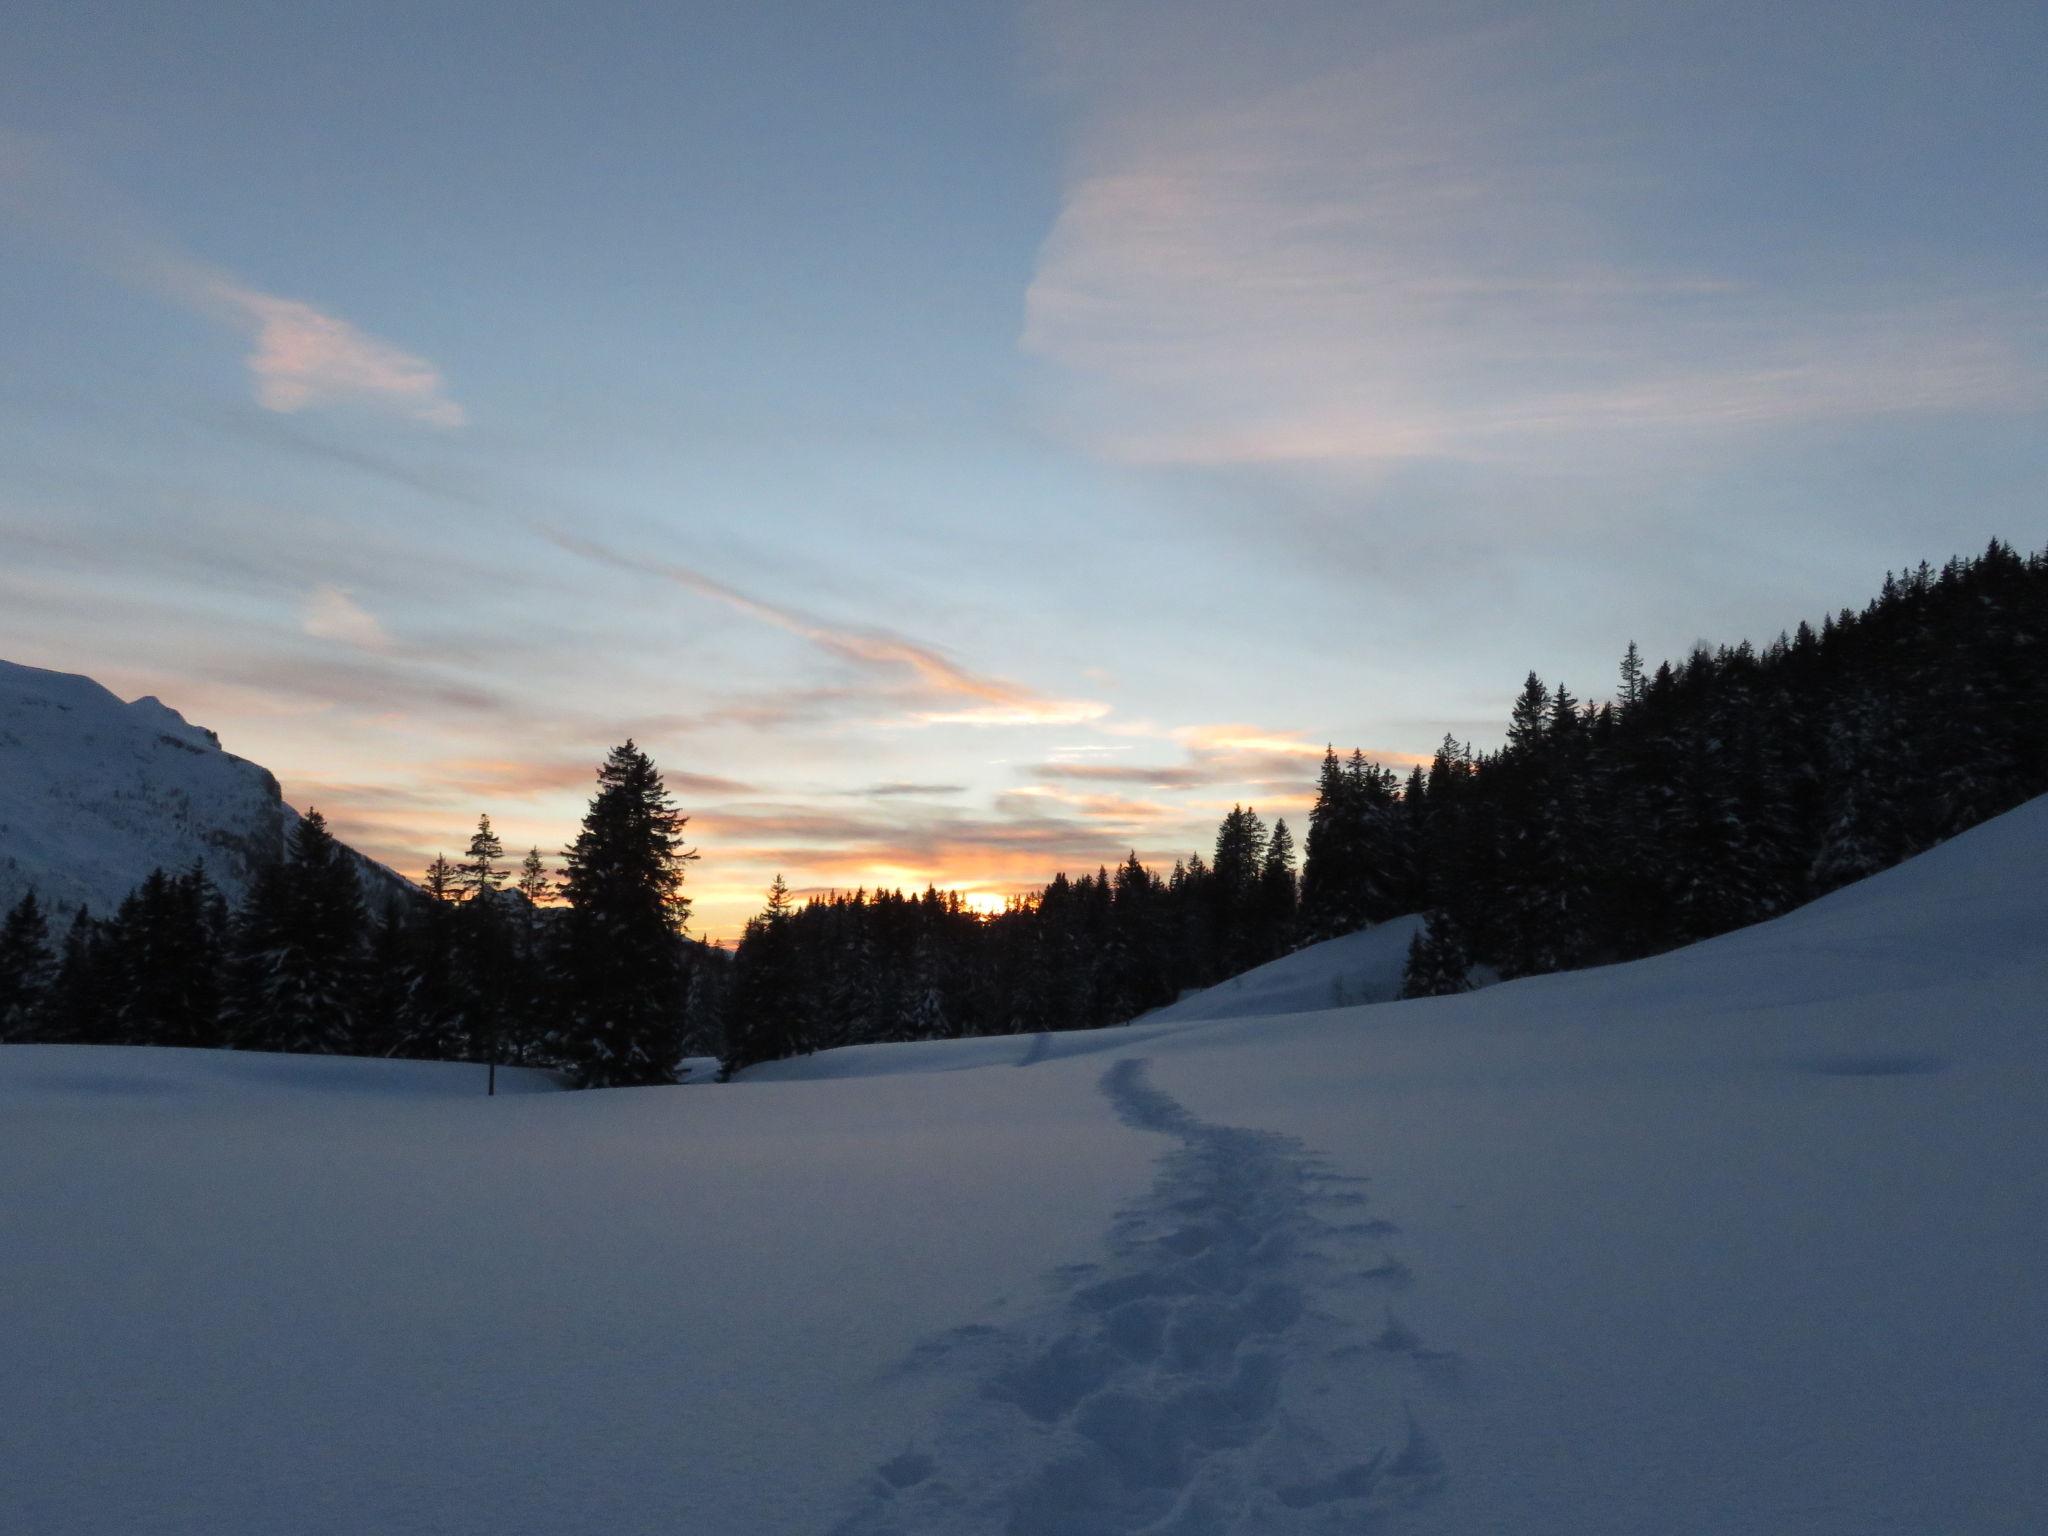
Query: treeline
x=1731, y=786
x=1705, y=795
x=881, y=966
x=468, y=968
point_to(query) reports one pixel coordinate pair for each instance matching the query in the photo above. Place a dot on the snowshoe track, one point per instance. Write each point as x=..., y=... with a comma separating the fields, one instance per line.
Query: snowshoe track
x=1172, y=1389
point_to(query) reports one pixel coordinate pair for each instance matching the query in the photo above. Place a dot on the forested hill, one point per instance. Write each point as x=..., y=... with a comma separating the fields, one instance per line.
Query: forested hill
x=1725, y=788
x=1708, y=793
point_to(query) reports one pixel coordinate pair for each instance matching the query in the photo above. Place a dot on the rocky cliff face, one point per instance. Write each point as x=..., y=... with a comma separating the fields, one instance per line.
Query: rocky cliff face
x=95, y=793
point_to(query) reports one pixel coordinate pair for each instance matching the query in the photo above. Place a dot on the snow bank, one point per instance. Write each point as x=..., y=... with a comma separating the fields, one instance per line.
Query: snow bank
x=1363, y=967
x=1745, y=1238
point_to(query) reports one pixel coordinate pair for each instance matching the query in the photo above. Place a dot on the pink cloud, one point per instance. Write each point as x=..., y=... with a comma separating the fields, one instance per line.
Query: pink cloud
x=305, y=357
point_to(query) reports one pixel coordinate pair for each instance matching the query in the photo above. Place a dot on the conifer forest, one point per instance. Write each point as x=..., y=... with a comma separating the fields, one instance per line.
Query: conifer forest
x=1708, y=792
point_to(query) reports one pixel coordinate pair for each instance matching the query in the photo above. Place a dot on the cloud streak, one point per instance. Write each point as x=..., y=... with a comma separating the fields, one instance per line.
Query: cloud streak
x=300, y=356
x=882, y=653
x=1426, y=255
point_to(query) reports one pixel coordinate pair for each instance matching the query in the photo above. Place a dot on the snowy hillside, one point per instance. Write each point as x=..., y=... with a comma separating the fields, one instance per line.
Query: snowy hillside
x=95, y=793
x=1360, y=967
x=1746, y=1238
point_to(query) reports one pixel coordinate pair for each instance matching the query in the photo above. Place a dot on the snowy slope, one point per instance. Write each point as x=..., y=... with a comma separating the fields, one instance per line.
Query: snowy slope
x=95, y=793
x=1363, y=967
x=1746, y=1238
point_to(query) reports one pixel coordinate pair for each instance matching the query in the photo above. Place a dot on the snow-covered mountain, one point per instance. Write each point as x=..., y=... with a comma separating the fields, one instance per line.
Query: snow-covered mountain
x=95, y=793
x=1744, y=1238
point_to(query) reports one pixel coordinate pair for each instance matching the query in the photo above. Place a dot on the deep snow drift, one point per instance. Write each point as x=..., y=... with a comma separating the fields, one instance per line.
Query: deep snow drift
x=1747, y=1238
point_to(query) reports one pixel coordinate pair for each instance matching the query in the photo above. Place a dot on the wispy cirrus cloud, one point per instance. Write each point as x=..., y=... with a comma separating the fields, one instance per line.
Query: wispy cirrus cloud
x=1425, y=251
x=332, y=613
x=300, y=357
x=947, y=693
x=1217, y=756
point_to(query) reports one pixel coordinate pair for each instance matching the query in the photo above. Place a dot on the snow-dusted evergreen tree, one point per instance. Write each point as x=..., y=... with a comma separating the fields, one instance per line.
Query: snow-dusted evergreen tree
x=1438, y=963
x=1332, y=855
x=764, y=1011
x=429, y=1018
x=1237, y=892
x=389, y=977
x=623, y=966
x=166, y=948
x=1131, y=958
x=299, y=946
x=1865, y=829
x=74, y=1008
x=1278, y=893
x=27, y=967
x=926, y=1017
x=1359, y=864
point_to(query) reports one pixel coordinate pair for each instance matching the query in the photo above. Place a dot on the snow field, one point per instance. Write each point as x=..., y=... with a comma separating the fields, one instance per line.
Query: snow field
x=1747, y=1238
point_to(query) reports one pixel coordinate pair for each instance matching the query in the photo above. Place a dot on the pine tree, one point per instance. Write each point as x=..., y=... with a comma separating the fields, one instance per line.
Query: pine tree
x=298, y=971
x=534, y=884
x=623, y=961
x=485, y=946
x=479, y=875
x=166, y=951
x=530, y=1005
x=764, y=1016
x=1633, y=683
x=381, y=1018
x=1438, y=962
x=74, y=1008
x=429, y=1018
x=1235, y=891
x=27, y=967
x=1277, y=892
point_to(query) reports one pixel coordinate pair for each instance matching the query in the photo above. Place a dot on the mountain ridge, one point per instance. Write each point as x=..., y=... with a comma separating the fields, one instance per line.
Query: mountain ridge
x=96, y=792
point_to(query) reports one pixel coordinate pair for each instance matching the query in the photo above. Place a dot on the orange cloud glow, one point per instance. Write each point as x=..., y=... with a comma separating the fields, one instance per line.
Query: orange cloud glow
x=999, y=701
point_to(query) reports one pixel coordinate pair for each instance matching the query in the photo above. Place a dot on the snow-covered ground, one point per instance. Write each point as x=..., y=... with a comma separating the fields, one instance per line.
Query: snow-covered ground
x=1363, y=967
x=1749, y=1238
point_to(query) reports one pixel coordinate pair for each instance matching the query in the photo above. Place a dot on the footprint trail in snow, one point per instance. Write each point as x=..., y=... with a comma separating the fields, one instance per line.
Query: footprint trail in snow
x=1185, y=1384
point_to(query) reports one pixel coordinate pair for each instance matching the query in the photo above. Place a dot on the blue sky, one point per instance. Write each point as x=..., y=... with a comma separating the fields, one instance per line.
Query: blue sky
x=967, y=441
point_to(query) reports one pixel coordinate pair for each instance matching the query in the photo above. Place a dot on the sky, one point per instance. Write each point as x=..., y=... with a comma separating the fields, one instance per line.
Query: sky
x=963, y=442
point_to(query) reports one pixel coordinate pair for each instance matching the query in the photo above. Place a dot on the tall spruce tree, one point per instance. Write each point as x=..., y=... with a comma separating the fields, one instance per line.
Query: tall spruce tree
x=485, y=945
x=27, y=967
x=166, y=947
x=623, y=962
x=430, y=1015
x=299, y=948
x=74, y=1008
x=1277, y=891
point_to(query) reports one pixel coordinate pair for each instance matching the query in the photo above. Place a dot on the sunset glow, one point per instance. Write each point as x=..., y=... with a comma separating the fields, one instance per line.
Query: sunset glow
x=1171, y=403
